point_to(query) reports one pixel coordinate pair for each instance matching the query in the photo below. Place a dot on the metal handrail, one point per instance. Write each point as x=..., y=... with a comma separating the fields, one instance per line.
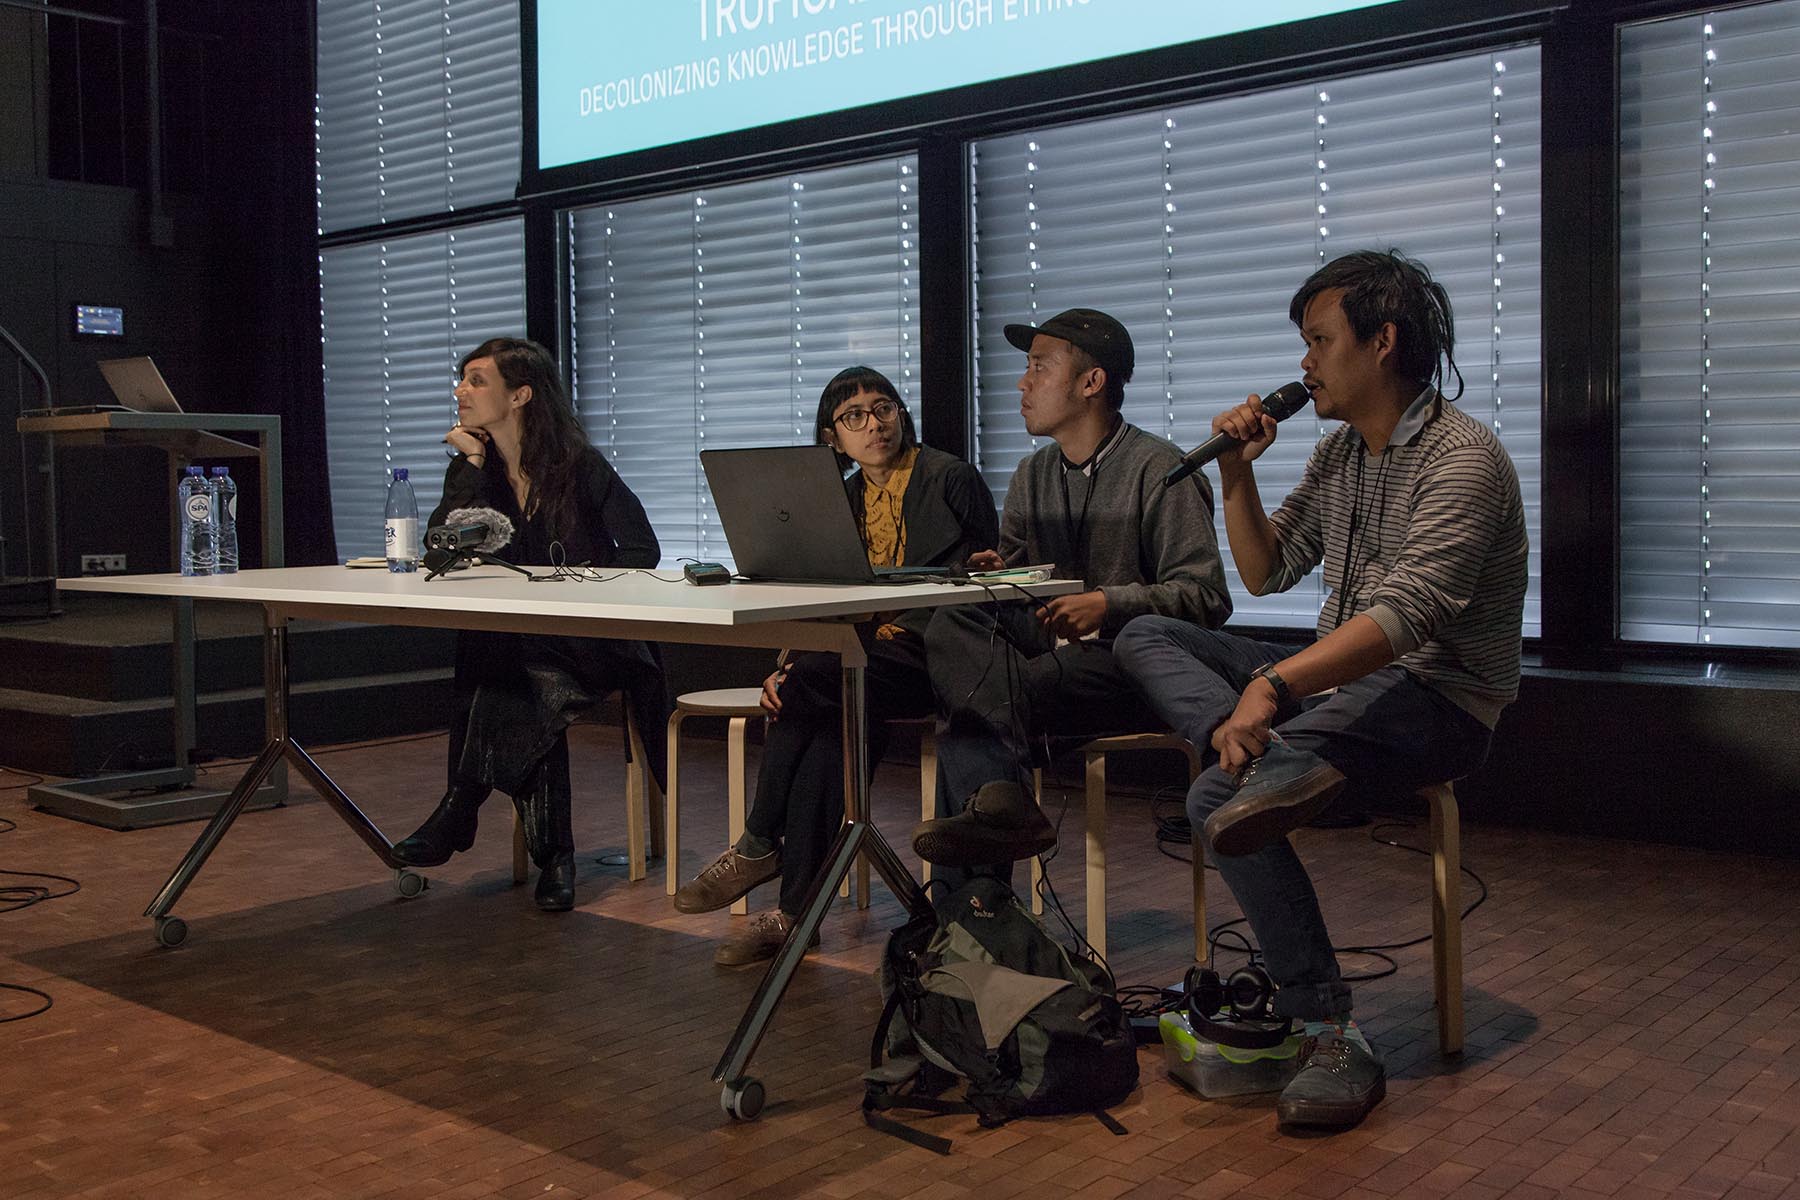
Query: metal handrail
x=43, y=379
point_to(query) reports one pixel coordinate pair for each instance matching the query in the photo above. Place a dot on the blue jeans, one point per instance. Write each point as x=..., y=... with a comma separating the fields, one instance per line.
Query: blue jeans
x=1385, y=730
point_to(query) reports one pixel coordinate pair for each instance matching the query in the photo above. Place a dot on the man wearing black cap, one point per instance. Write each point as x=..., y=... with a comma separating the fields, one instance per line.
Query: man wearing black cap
x=1010, y=676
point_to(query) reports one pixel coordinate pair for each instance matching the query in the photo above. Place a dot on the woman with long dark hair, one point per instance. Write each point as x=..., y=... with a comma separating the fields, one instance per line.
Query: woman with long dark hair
x=522, y=452
x=915, y=506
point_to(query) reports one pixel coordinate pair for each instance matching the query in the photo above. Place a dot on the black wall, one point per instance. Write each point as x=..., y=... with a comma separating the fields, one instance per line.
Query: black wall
x=218, y=281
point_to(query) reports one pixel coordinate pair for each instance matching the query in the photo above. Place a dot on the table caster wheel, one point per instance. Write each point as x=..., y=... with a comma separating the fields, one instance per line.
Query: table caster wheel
x=742, y=1099
x=408, y=883
x=170, y=931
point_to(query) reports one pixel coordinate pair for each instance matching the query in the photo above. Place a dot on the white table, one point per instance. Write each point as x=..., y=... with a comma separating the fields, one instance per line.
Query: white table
x=634, y=604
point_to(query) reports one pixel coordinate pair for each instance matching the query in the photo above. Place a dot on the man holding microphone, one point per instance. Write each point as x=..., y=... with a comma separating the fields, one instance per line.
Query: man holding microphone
x=1414, y=509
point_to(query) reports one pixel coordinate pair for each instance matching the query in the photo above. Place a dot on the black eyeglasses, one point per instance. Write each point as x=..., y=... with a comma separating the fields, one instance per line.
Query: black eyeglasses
x=856, y=418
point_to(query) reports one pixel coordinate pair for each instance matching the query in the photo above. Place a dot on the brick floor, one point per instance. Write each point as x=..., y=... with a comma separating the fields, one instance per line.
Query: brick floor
x=1631, y=1023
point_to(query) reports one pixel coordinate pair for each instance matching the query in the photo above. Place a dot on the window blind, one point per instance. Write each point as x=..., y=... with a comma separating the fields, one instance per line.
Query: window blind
x=713, y=319
x=1709, y=324
x=397, y=315
x=417, y=110
x=1194, y=226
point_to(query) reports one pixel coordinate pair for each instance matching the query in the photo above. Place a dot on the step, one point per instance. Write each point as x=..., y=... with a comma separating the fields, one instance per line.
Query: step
x=77, y=736
x=119, y=648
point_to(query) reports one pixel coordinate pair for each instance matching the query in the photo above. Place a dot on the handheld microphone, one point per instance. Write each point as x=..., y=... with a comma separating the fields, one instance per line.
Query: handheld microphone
x=1281, y=404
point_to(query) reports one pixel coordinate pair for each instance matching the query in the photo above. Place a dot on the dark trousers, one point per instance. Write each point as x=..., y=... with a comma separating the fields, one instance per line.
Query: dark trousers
x=1003, y=688
x=799, y=800
x=1386, y=730
x=516, y=696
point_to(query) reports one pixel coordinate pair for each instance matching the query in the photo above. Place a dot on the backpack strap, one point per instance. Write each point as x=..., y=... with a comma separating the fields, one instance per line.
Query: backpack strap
x=926, y=1141
x=878, y=1044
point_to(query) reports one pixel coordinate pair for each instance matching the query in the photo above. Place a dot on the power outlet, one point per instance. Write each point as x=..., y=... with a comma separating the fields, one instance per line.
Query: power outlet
x=103, y=564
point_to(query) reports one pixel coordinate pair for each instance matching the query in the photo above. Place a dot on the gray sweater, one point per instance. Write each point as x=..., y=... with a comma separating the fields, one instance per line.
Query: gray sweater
x=1151, y=549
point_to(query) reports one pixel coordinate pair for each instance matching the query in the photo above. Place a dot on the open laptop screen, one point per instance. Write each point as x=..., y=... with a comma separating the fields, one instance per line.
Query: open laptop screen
x=786, y=514
x=138, y=384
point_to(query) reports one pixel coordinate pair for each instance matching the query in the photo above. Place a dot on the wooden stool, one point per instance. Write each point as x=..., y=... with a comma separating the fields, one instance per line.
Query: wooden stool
x=928, y=765
x=1095, y=752
x=1446, y=912
x=641, y=796
x=739, y=705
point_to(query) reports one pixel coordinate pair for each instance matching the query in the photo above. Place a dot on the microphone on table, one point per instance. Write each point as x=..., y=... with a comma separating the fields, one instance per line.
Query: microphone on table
x=1281, y=404
x=477, y=530
x=468, y=537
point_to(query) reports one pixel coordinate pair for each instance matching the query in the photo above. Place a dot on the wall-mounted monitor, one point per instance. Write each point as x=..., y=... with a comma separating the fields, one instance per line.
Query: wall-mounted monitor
x=96, y=321
x=618, y=77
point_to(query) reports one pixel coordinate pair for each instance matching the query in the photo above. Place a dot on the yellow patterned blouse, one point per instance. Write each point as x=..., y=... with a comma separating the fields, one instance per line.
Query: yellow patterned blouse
x=884, y=529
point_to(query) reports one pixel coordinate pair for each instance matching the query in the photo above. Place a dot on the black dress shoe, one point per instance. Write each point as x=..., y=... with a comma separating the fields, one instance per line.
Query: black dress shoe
x=556, y=884
x=1000, y=823
x=450, y=829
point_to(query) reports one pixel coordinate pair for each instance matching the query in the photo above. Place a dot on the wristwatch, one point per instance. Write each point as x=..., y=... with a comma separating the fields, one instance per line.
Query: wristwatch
x=1284, y=697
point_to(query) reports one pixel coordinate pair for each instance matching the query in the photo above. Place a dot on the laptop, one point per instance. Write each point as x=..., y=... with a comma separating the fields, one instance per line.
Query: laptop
x=136, y=382
x=138, y=385
x=787, y=518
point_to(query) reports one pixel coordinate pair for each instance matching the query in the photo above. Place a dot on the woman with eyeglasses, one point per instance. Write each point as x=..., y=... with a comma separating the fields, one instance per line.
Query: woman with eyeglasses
x=915, y=506
x=522, y=452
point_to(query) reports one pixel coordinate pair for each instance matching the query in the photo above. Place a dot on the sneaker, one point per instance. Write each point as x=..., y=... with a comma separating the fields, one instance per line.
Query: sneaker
x=1339, y=1084
x=729, y=878
x=998, y=824
x=1276, y=794
x=766, y=933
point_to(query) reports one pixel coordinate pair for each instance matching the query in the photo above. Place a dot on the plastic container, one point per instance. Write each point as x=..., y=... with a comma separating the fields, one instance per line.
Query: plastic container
x=1216, y=1071
x=402, y=530
x=224, y=511
x=199, y=536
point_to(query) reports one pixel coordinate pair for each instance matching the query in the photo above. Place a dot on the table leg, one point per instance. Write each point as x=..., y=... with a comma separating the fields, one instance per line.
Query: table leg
x=183, y=731
x=275, y=695
x=742, y=1096
x=280, y=746
x=215, y=829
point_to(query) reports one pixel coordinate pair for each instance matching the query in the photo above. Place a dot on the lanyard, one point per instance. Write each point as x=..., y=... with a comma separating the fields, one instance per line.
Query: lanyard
x=1076, y=530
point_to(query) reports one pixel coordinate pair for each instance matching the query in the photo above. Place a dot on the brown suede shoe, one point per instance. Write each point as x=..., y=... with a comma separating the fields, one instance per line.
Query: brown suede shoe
x=761, y=940
x=730, y=876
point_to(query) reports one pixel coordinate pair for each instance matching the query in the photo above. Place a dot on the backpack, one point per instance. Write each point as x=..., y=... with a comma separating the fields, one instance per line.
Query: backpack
x=981, y=992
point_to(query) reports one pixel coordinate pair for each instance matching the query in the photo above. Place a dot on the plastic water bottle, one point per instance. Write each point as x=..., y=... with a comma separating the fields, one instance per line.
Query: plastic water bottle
x=224, y=509
x=199, y=536
x=402, y=524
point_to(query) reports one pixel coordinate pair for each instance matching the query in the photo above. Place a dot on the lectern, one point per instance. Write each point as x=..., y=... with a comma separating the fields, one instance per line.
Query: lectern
x=156, y=797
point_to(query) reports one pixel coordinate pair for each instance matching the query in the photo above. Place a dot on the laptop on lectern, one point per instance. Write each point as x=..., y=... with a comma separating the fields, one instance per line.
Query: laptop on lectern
x=787, y=518
x=136, y=382
x=138, y=385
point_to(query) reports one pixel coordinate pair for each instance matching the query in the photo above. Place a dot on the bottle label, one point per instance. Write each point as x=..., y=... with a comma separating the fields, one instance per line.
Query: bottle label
x=402, y=537
x=199, y=507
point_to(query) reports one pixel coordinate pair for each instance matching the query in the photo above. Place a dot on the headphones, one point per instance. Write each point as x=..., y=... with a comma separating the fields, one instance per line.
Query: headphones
x=1238, y=1010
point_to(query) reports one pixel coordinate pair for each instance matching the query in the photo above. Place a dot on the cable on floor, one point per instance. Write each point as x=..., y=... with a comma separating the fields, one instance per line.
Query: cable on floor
x=14, y=897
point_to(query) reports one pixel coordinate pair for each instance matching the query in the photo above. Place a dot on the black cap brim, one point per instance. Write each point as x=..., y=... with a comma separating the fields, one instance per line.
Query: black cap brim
x=1021, y=336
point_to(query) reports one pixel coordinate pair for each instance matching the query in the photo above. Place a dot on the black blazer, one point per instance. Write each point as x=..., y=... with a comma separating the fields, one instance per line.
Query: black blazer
x=948, y=510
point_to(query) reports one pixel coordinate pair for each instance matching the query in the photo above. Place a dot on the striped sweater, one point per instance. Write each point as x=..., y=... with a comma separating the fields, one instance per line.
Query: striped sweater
x=1433, y=531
